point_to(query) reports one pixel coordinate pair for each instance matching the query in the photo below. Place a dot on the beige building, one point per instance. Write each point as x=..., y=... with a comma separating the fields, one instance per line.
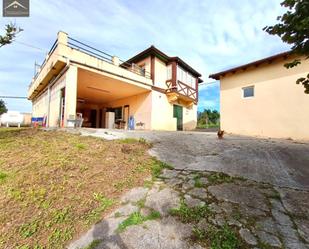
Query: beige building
x=149, y=91
x=262, y=99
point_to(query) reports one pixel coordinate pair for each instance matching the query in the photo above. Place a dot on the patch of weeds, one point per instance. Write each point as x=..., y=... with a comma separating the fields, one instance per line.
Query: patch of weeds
x=3, y=176
x=80, y=146
x=236, y=214
x=190, y=214
x=118, y=214
x=141, y=203
x=128, y=140
x=58, y=236
x=140, y=169
x=61, y=216
x=137, y=218
x=104, y=203
x=16, y=194
x=197, y=181
x=219, y=177
x=93, y=244
x=157, y=167
x=263, y=245
x=275, y=195
x=217, y=238
x=28, y=229
x=148, y=183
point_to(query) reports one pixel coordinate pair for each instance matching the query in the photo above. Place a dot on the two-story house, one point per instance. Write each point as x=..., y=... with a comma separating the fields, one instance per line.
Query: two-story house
x=149, y=91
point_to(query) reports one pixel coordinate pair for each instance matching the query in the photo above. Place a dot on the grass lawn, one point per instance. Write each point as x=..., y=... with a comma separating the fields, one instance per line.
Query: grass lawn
x=55, y=185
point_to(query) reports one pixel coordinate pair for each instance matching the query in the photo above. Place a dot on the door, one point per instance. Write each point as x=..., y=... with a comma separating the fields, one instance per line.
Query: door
x=93, y=118
x=126, y=113
x=178, y=115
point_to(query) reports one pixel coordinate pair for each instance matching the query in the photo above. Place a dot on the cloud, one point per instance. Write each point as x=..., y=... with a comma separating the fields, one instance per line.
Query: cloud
x=209, y=35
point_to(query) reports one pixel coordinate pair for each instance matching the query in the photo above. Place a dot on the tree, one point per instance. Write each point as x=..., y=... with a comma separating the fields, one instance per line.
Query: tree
x=11, y=30
x=208, y=117
x=293, y=29
x=3, y=108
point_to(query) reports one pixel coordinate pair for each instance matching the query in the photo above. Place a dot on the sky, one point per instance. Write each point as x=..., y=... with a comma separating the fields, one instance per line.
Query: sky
x=209, y=35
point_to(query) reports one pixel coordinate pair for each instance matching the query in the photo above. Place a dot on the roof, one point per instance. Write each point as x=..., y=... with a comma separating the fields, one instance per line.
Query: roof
x=152, y=50
x=216, y=76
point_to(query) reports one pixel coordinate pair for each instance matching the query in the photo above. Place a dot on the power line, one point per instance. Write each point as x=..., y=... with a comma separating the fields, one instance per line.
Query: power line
x=12, y=97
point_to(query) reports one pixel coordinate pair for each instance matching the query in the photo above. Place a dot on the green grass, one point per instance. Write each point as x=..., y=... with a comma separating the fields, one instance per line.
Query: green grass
x=217, y=238
x=29, y=229
x=141, y=203
x=157, y=167
x=67, y=184
x=80, y=146
x=190, y=214
x=137, y=218
x=218, y=177
x=3, y=176
x=128, y=141
x=197, y=181
x=103, y=204
x=93, y=244
x=205, y=126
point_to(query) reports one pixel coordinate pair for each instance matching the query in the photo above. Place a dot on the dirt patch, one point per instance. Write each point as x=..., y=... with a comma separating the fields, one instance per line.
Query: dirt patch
x=55, y=185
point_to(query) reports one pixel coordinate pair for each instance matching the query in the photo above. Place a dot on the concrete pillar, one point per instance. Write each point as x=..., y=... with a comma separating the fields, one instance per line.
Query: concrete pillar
x=70, y=95
x=115, y=60
x=62, y=38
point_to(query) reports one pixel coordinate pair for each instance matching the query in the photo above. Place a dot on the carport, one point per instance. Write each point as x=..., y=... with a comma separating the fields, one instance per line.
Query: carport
x=107, y=101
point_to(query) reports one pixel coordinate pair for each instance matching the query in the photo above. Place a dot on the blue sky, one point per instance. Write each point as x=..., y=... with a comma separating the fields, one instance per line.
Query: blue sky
x=209, y=35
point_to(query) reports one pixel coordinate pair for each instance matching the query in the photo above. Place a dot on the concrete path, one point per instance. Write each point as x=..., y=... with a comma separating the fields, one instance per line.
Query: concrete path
x=201, y=209
x=280, y=162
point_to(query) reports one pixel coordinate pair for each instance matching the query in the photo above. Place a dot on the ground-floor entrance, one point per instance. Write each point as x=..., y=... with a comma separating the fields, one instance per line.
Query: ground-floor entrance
x=178, y=114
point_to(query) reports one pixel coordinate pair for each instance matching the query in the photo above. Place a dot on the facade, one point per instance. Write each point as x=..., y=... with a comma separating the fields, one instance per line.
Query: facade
x=262, y=99
x=149, y=91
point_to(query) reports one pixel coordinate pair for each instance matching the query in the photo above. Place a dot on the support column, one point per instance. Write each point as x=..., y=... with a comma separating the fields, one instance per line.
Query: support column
x=70, y=95
x=152, y=68
x=174, y=75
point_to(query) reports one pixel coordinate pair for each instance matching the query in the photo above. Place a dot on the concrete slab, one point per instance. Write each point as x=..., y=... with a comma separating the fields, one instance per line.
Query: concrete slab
x=280, y=162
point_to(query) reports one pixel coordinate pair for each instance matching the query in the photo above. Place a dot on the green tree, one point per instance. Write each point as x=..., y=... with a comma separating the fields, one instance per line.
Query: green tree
x=293, y=28
x=11, y=30
x=208, y=118
x=3, y=108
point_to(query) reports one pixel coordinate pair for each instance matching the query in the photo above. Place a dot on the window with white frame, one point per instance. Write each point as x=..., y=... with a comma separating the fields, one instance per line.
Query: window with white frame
x=169, y=72
x=185, y=77
x=248, y=92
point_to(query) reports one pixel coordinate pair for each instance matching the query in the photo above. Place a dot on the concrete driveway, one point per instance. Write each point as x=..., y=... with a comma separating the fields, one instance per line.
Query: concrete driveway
x=284, y=163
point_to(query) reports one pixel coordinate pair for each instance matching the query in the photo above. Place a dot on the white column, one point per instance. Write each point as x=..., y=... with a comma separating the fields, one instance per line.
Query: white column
x=70, y=95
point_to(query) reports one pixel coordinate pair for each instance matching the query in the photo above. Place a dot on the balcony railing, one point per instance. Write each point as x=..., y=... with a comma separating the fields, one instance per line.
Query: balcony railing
x=182, y=89
x=75, y=44
x=91, y=51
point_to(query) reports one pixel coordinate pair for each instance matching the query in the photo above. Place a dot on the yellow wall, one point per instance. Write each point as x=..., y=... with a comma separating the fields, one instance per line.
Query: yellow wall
x=160, y=74
x=189, y=117
x=140, y=107
x=55, y=95
x=162, y=113
x=39, y=106
x=279, y=108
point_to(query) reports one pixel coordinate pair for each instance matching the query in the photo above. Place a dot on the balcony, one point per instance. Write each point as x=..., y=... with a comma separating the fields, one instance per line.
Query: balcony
x=181, y=92
x=67, y=50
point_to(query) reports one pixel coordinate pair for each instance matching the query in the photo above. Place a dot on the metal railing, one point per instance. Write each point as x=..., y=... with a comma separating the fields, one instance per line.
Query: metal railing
x=75, y=44
x=80, y=46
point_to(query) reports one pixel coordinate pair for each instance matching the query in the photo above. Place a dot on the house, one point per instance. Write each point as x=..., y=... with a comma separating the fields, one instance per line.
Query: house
x=149, y=91
x=262, y=99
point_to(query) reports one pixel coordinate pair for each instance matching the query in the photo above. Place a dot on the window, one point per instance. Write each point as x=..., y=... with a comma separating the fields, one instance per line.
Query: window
x=169, y=72
x=118, y=113
x=248, y=92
